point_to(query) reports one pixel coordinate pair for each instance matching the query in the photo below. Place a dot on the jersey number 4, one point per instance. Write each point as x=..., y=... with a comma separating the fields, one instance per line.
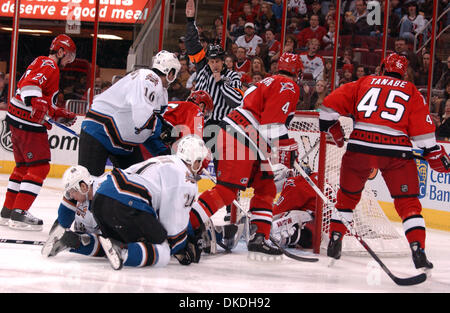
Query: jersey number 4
x=369, y=104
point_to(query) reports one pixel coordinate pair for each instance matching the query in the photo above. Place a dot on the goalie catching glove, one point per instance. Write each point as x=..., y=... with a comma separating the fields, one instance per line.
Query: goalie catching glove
x=437, y=158
x=336, y=132
x=287, y=152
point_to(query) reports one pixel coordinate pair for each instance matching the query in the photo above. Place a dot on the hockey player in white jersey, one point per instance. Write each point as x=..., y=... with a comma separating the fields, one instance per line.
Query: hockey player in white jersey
x=143, y=211
x=74, y=210
x=124, y=116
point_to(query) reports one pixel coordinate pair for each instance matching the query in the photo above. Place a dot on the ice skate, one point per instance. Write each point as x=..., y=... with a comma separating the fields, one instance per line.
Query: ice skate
x=419, y=257
x=23, y=220
x=259, y=249
x=4, y=216
x=113, y=252
x=334, y=249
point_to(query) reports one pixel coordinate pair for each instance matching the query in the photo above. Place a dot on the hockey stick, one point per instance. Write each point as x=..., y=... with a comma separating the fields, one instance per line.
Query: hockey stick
x=23, y=242
x=67, y=129
x=413, y=280
x=284, y=251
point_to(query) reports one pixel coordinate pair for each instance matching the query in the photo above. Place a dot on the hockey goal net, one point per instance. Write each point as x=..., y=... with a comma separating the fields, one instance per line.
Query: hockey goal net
x=370, y=222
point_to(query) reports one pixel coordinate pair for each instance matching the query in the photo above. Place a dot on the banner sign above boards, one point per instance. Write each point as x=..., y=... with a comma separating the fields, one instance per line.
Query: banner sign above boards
x=116, y=11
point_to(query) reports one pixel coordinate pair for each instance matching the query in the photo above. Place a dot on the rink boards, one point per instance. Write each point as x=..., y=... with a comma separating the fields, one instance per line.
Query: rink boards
x=434, y=186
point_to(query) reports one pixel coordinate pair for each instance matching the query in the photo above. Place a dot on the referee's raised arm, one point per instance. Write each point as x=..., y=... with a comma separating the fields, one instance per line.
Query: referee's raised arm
x=223, y=85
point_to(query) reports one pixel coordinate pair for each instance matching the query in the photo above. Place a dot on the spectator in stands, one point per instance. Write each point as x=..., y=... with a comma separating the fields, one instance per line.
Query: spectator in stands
x=355, y=22
x=401, y=47
x=267, y=19
x=297, y=8
x=184, y=74
x=361, y=71
x=328, y=72
x=237, y=29
x=229, y=62
x=257, y=77
x=413, y=23
x=242, y=64
x=313, y=31
x=256, y=7
x=273, y=45
x=445, y=76
x=328, y=39
x=438, y=103
x=250, y=40
x=257, y=66
x=290, y=46
x=316, y=9
x=3, y=92
x=443, y=127
x=277, y=9
x=320, y=91
x=347, y=70
x=312, y=62
x=421, y=76
x=273, y=67
x=248, y=13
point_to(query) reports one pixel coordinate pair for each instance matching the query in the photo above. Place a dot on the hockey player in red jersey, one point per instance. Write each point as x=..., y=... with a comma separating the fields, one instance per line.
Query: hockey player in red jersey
x=293, y=212
x=179, y=119
x=244, y=145
x=27, y=112
x=389, y=113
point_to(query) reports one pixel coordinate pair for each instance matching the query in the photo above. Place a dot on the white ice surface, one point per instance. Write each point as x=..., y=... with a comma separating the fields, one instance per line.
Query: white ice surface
x=23, y=269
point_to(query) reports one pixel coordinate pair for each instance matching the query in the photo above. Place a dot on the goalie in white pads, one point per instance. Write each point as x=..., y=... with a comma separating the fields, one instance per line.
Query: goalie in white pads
x=143, y=211
x=293, y=212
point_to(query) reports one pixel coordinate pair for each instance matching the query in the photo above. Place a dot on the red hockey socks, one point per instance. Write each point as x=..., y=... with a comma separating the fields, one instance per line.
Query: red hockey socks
x=14, y=186
x=30, y=186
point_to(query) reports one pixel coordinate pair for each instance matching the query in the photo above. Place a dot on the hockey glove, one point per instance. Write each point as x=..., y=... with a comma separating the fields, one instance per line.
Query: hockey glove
x=287, y=152
x=62, y=116
x=437, y=158
x=191, y=253
x=39, y=110
x=336, y=133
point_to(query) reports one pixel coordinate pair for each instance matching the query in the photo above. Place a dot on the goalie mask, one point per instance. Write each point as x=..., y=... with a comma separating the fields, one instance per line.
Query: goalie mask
x=165, y=62
x=191, y=149
x=73, y=177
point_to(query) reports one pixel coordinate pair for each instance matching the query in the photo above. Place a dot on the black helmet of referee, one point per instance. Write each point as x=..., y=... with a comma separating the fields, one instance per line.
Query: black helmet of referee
x=214, y=52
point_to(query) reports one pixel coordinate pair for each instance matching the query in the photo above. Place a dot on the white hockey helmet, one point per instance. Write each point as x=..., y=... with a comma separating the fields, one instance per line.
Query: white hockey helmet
x=191, y=148
x=165, y=61
x=73, y=176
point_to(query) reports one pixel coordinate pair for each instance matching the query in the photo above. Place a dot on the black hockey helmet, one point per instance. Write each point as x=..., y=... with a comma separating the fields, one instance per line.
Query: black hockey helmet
x=214, y=52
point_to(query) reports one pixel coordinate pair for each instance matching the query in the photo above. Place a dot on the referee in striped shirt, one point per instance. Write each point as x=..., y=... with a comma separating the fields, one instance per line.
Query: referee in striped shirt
x=223, y=85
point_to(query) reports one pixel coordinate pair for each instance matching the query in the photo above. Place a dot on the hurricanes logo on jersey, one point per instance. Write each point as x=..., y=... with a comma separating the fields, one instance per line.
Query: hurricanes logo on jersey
x=287, y=86
x=48, y=63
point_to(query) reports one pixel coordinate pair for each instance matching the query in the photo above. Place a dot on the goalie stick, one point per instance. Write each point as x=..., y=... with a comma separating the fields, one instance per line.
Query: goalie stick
x=284, y=251
x=413, y=280
x=23, y=242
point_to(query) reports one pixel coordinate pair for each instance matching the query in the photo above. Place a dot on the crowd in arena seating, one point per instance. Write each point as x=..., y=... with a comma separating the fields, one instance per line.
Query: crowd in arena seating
x=253, y=46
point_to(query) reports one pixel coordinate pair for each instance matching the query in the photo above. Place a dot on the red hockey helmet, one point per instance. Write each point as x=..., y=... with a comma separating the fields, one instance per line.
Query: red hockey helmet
x=291, y=63
x=200, y=96
x=395, y=63
x=65, y=42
